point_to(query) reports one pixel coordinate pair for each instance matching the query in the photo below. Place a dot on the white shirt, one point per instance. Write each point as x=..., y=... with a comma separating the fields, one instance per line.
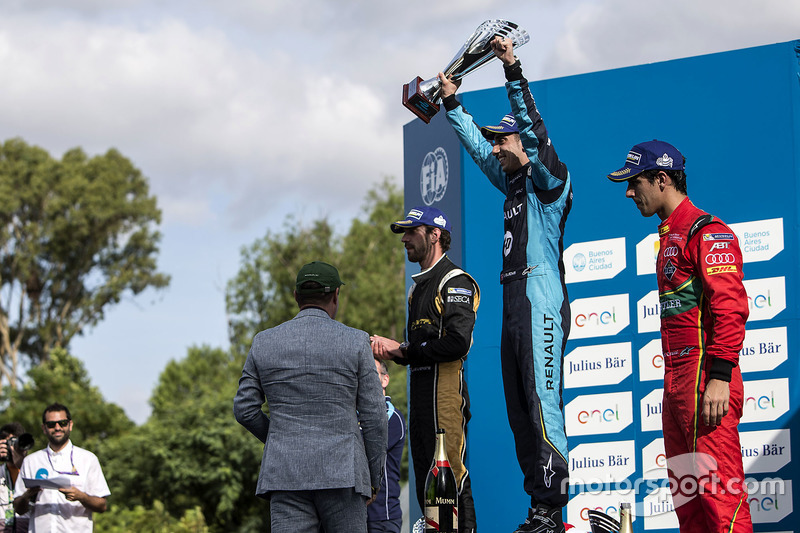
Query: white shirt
x=52, y=512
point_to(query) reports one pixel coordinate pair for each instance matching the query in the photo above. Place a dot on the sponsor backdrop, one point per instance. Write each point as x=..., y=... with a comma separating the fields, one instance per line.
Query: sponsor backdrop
x=735, y=117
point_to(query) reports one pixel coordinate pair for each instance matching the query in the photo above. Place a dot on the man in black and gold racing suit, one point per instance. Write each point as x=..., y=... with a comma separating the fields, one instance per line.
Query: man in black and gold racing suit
x=442, y=304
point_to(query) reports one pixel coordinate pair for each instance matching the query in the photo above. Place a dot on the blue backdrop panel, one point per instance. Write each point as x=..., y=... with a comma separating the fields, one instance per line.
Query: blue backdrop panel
x=735, y=117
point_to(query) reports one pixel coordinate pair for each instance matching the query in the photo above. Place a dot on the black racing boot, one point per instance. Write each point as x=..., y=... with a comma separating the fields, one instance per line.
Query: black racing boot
x=542, y=519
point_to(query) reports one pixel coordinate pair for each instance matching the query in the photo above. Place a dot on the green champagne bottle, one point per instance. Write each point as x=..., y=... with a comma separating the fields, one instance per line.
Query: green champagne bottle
x=441, y=492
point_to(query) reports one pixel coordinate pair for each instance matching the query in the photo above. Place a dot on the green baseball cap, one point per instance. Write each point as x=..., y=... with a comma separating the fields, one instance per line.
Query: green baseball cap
x=323, y=273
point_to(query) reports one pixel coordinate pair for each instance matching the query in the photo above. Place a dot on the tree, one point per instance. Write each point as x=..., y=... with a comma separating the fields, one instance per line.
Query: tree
x=63, y=379
x=150, y=520
x=373, y=265
x=370, y=259
x=191, y=454
x=76, y=235
x=261, y=296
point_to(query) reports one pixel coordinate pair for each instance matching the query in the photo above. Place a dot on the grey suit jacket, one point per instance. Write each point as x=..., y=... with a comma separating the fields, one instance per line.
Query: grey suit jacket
x=318, y=377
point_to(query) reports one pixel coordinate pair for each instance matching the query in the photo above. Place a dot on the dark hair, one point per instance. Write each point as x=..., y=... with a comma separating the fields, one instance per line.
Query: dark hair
x=55, y=408
x=678, y=178
x=13, y=428
x=444, y=238
x=382, y=364
x=315, y=298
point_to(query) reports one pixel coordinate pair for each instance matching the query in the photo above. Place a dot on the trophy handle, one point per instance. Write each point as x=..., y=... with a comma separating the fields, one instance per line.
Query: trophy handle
x=476, y=51
x=422, y=97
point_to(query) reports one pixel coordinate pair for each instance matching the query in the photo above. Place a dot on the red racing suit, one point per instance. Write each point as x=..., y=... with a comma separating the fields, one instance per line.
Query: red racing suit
x=704, y=308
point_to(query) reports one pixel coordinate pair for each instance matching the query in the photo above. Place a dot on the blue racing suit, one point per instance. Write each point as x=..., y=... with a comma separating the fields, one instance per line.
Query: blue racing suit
x=536, y=313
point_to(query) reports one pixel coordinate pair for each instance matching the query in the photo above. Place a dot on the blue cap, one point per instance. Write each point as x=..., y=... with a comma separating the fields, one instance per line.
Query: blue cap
x=422, y=216
x=648, y=156
x=507, y=125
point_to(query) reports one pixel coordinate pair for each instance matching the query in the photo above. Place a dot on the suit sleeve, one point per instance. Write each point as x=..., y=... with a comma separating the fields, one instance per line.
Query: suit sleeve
x=718, y=263
x=479, y=149
x=249, y=399
x=549, y=172
x=459, y=308
x=371, y=406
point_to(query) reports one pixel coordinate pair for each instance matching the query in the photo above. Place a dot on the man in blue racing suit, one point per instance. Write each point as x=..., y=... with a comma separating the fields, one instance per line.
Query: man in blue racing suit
x=519, y=159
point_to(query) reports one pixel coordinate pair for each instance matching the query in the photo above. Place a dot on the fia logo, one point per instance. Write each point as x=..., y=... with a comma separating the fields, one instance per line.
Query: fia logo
x=433, y=176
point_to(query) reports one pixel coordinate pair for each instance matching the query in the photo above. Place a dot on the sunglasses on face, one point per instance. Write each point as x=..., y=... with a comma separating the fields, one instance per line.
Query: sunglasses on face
x=52, y=423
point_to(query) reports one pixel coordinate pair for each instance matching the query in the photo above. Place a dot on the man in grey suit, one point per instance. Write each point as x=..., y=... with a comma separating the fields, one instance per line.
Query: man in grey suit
x=319, y=379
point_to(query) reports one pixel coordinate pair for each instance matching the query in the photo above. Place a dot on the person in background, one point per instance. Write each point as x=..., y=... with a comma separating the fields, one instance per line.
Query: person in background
x=519, y=159
x=11, y=457
x=384, y=515
x=318, y=377
x=442, y=306
x=703, y=313
x=71, y=507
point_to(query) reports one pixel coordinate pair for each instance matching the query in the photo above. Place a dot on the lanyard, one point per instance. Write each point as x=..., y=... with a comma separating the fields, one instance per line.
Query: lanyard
x=71, y=462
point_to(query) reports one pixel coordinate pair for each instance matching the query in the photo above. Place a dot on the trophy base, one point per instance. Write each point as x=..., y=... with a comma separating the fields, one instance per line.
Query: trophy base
x=417, y=102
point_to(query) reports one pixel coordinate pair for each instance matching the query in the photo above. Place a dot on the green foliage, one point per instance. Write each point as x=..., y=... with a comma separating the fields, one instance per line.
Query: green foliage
x=150, y=520
x=75, y=236
x=373, y=266
x=370, y=259
x=260, y=296
x=191, y=467
x=191, y=453
x=64, y=379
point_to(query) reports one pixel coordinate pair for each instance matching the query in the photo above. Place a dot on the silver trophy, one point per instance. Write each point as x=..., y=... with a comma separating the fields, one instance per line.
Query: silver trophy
x=423, y=97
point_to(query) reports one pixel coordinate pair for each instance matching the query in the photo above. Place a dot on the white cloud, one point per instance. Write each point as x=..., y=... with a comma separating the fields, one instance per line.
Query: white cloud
x=242, y=112
x=192, y=111
x=608, y=34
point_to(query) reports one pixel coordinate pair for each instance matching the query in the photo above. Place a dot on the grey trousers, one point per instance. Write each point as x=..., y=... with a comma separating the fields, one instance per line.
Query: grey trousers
x=308, y=511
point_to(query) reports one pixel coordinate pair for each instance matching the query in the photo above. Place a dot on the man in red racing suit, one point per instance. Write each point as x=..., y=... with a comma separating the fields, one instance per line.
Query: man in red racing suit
x=703, y=313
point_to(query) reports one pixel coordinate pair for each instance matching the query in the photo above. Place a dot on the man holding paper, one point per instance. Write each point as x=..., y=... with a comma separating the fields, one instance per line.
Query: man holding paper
x=63, y=484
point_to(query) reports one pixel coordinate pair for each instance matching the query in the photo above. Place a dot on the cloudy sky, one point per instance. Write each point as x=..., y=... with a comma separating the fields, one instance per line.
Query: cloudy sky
x=242, y=113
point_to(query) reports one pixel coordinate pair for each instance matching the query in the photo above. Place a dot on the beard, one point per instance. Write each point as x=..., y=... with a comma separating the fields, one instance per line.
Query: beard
x=419, y=252
x=58, y=440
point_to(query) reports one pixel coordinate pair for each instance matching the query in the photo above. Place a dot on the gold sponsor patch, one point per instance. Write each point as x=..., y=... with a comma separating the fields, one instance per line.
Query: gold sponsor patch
x=663, y=230
x=721, y=269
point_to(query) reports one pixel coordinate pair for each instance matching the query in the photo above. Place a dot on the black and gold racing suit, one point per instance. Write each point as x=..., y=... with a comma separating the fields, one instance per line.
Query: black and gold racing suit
x=440, y=323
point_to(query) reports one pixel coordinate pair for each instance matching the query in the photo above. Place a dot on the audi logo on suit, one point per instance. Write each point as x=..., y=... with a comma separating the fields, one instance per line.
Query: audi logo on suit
x=720, y=259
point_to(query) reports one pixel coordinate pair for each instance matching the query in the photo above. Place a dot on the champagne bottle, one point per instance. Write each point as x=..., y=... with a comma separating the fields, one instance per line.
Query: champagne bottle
x=625, y=518
x=441, y=492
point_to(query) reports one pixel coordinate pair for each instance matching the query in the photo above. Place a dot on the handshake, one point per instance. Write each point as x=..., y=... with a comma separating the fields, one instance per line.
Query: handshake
x=384, y=348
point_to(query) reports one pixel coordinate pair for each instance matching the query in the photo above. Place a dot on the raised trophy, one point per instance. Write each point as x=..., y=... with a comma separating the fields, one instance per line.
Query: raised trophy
x=423, y=97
